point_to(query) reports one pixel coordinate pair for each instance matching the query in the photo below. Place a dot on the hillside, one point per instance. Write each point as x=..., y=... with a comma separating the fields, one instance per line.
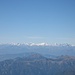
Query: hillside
x=38, y=65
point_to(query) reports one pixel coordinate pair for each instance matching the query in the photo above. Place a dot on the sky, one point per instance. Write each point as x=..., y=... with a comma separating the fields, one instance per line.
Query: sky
x=51, y=21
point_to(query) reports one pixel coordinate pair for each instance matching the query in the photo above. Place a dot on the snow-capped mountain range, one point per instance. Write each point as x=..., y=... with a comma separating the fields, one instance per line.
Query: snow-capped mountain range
x=12, y=50
x=43, y=48
x=37, y=44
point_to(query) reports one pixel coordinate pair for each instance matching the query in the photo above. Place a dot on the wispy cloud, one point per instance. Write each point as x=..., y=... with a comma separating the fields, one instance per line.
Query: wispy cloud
x=66, y=38
x=36, y=37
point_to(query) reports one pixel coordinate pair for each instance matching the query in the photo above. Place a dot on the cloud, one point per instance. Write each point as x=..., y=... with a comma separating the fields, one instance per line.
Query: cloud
x=67, y=38
x=36, y=37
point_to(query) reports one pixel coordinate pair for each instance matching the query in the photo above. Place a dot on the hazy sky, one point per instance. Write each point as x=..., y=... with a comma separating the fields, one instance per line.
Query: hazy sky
x=51, y=21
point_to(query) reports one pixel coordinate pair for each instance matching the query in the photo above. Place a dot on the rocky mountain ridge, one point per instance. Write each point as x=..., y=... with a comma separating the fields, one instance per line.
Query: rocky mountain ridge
x=38, y=65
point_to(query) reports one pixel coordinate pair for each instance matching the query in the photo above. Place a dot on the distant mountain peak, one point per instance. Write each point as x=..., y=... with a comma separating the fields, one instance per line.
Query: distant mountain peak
x=38, y=44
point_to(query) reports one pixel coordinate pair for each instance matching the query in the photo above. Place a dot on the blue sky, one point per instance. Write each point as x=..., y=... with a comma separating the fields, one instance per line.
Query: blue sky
x=51, y=21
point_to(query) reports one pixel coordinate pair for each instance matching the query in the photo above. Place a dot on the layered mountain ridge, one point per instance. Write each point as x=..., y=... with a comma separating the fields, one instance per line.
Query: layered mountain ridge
x=43, y=48
x=37, y=64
